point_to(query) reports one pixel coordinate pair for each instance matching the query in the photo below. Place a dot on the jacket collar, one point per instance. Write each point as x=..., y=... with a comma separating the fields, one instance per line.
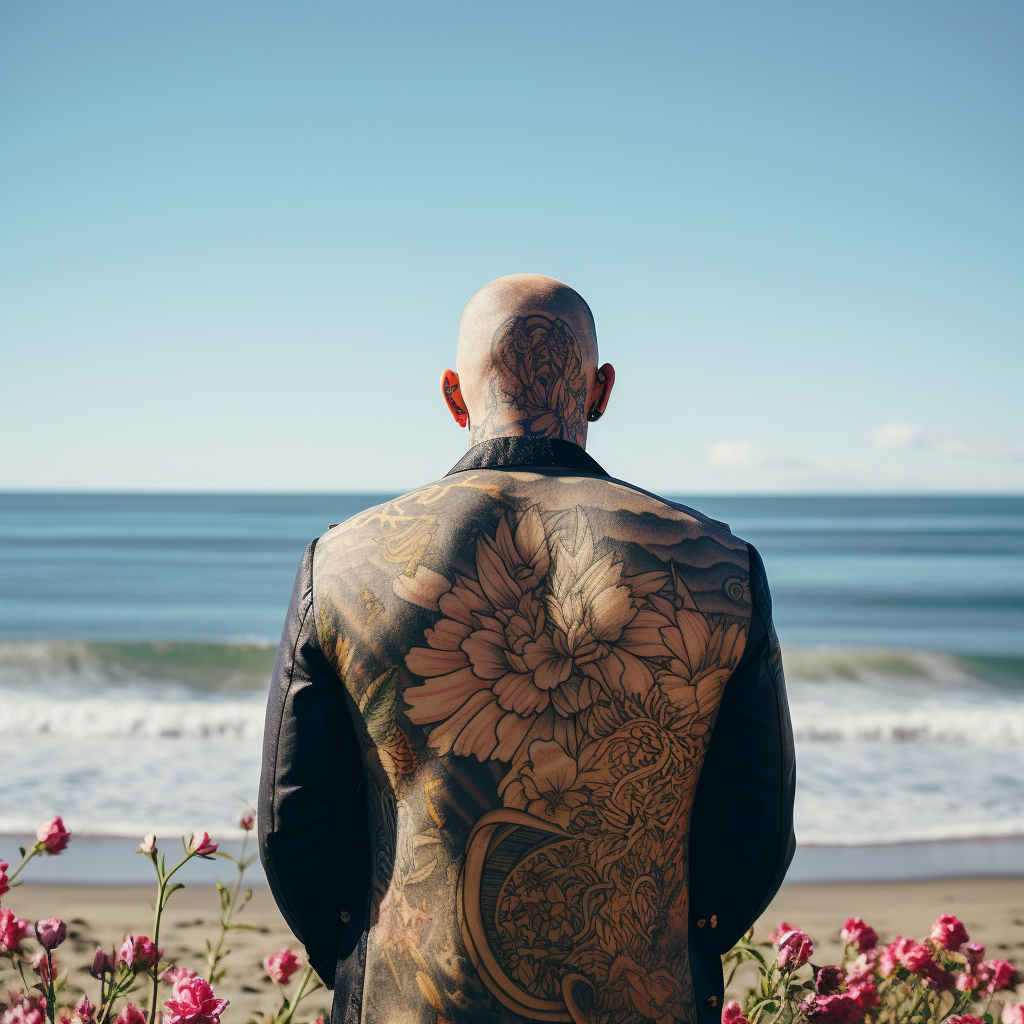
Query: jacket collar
x=512, y=452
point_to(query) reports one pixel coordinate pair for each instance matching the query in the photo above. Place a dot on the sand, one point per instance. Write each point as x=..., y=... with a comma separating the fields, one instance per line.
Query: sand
x=992, y=909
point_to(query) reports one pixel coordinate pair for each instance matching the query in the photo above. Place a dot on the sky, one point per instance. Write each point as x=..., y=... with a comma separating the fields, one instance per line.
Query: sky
x=236, y=237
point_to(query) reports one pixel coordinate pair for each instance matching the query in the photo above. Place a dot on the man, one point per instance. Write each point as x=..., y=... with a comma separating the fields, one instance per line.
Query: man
x=528, y=753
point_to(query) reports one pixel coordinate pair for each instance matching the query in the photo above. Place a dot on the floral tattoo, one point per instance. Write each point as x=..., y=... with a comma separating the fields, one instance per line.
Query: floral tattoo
x=539, y=386
x=534, y=745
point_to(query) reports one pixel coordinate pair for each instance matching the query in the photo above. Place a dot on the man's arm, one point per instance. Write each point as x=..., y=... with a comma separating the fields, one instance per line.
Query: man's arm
x=741, y=836
x=312, y=814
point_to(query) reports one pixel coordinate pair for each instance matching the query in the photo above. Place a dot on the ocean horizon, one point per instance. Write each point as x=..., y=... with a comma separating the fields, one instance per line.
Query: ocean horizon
x=137, y=635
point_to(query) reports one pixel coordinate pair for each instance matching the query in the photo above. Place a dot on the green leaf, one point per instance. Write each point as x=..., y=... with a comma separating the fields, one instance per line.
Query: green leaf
x=244, y=927
x=21, y=850
x=226, y=856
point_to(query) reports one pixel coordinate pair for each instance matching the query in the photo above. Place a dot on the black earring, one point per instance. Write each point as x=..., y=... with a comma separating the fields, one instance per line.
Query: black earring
x=594, y=414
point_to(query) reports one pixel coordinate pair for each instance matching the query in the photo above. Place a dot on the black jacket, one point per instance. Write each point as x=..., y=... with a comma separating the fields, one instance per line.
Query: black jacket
x=313, y=829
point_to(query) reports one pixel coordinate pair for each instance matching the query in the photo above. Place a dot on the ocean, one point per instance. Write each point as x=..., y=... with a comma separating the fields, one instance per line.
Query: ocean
x=137, y=636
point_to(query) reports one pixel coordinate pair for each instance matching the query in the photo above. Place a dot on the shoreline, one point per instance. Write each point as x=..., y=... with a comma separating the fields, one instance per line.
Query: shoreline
x=111, y=861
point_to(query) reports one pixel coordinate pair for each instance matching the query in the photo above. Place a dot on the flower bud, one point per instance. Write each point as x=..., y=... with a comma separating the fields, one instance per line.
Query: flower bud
x=102, y=963
x=4, y=887
x=247, y=822
x=12, y=930
x=148, y=844
x=281, y=965
x=856, y=933
x=202, y=845
x=54, y=836
x=795, y=949
x=84, y=1009
x=51, y=932
x=130, y=1015
x=949, y=932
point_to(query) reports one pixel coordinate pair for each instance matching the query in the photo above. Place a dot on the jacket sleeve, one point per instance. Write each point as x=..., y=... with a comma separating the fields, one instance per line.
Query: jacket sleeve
x=741, y=835
x=313, y=832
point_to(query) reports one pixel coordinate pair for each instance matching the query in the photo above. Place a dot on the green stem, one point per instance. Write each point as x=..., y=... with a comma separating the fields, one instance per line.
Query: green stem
x=51, y=996
x=161, y=902
x=225, y=919
x=34, y=851
x=300, y=994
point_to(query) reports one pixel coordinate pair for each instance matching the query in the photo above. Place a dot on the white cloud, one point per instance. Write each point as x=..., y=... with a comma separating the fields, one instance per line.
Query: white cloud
x=908, y=435
x=734, y=454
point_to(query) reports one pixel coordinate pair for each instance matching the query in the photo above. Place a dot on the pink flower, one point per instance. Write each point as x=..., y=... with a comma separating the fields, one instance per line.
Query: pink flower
x=966, y=982
x=202, y=846
x=12, y=930
x=4, y=887
x=893, y=954
x=193, y=1002
x=51, y=932
x=963, y=1018
x=102, y=963
x=861, y=969
x=974, y=951
x=41, y=965
x=148, y=844
x=949, y=932
x=856, y=933
x=918, y=960
x=130, y=1015
x=839, y=1009
x=175, y=974
x=829, y=980
x=865, y=995
x=281, y=965
x=795, y=949
x=138, y=953
x=732, y=1013
x=784, y=929
x=54, y=836
x=26, y=1010
x=247, y=822
x=1013, y=1013
x=84, y=1009
x=994, y=976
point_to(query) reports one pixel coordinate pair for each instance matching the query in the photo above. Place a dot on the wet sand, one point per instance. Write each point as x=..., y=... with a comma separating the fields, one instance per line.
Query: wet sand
x=991, y=908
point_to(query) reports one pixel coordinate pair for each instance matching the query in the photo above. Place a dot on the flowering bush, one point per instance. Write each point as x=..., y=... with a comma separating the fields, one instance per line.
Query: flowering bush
x=130, y=979
x=944, y=979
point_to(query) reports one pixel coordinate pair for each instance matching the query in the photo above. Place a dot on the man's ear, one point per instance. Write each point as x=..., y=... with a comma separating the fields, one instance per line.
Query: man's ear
x=604, y=381
x=453, y=397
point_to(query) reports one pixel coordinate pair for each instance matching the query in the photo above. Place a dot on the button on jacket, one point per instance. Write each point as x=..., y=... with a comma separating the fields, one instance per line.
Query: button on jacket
x=528, y=755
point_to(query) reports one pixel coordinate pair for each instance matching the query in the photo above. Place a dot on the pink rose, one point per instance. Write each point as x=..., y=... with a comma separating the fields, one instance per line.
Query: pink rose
x=4, y=887
x=840, y=1009
x=12, y=930
x=26, y=1010
x=1013, y=1013
x=949, y=932
x=281, y=965
x=102, y=963
x=829, y=980
x=893, y=954
x=856, y=933
x=962, y=1018
x=966, y=982
x=732, y=1013
x=994, y=976
x=138, y=953
x=193, y=1002
x=51, y=932
x=130, y=1015
x=918, y=960
x=974, y=951
x=795, y=949
x=247, y=822
x=84, y=1009
x=202, y=845
x=861, y=969
x=865, y=995
x=784, y=929
x=175, y=974
x=53, y=835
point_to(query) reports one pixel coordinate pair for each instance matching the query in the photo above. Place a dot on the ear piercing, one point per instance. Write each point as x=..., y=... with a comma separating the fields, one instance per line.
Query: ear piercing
x=594, y=414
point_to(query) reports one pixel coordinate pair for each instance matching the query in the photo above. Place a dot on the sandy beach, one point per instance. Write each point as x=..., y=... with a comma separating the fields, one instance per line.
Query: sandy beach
x=992, y=909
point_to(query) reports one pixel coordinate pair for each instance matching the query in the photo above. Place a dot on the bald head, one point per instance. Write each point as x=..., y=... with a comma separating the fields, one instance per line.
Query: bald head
x=527, y=359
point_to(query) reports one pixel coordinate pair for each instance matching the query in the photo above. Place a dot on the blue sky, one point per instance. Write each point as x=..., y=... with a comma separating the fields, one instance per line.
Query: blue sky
x=236, y=238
